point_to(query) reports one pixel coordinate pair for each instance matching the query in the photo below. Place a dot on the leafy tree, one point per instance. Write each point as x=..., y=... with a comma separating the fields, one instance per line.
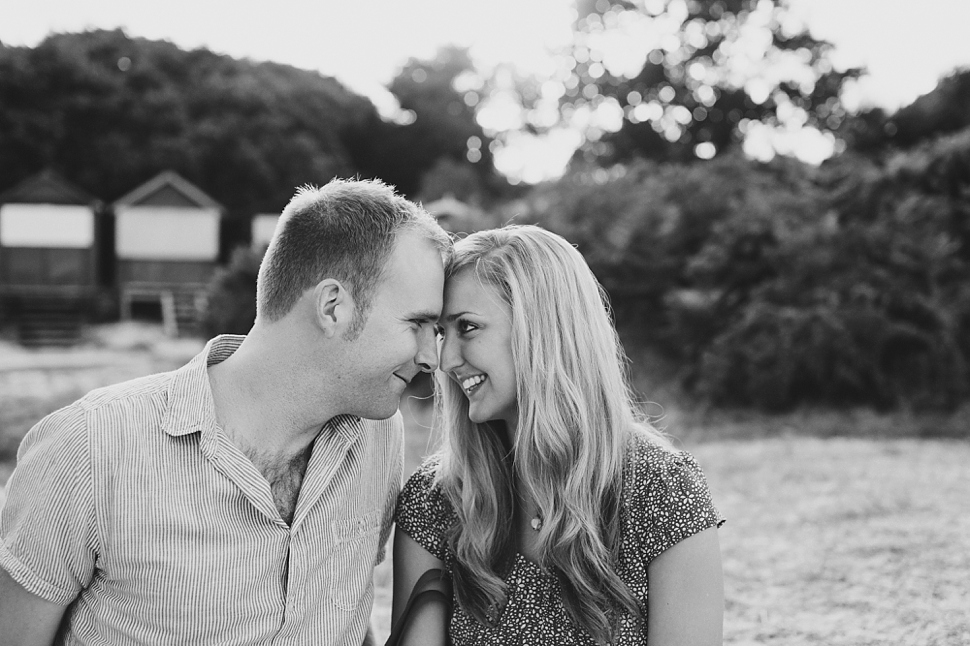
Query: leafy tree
x=458, y=179
x=944, y=110
x=708, y=70
x=110, y=111
x=780, y=284
x=438, y=132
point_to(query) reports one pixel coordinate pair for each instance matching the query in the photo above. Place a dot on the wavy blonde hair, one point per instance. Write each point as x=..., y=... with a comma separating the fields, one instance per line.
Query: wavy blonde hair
x=576, y=414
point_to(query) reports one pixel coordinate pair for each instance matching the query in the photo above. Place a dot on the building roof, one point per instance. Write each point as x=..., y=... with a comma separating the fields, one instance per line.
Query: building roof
x=168, y=188
x=46, y=187
x=448, y=205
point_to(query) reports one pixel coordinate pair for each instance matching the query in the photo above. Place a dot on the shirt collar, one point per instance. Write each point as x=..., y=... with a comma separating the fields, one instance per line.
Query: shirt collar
x=191, y=407
x=347, y=427
x=190, y=404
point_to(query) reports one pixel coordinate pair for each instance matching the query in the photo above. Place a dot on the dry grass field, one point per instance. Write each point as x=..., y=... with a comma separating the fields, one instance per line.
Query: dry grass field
x=843, y=528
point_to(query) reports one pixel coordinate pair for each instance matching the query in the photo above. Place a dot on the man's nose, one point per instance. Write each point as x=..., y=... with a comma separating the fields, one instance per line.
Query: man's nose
x=427, y=357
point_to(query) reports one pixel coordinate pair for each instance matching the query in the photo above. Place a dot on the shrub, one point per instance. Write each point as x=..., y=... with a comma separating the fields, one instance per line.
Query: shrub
x=780, y=284
x=231, y=307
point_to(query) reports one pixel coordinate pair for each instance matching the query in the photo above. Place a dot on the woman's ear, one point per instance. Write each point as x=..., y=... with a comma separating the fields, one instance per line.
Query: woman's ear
x=333, y=307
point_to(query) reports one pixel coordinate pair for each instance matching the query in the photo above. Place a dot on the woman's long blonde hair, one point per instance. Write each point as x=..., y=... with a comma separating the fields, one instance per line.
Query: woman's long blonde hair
x=576, y=414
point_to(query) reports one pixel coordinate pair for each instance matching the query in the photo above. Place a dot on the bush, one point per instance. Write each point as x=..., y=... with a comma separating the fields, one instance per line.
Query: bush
x=777, y=285
x=231, y=305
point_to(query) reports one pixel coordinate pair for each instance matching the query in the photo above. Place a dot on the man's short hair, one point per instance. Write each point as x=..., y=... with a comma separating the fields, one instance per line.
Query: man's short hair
x=345, y=230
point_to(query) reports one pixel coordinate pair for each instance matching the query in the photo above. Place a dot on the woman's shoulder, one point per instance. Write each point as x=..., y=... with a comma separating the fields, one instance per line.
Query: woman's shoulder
x=652, y=461
x=666, y=497
x=426, y=474
x=423, y=511
x=423, y=488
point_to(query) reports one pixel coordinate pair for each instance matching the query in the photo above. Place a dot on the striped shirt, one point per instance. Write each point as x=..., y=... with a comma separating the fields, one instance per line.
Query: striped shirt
x=135, y=510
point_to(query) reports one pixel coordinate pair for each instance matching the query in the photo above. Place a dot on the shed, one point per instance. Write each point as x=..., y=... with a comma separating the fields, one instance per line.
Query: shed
x=263, y=228
x=49, y=252
x=167, y=247
x=456, y=216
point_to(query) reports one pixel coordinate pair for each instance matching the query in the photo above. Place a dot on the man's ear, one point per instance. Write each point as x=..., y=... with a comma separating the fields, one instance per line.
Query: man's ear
x=333, y=306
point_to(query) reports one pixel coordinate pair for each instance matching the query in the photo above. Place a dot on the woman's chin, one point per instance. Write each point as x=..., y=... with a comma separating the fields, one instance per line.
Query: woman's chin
x=477, y=416
x=476, y=419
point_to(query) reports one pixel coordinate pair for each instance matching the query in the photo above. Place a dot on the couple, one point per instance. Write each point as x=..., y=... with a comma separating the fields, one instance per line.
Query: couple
x=246, y=497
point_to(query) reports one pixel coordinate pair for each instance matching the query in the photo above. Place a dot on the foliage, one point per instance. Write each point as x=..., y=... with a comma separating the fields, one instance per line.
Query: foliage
x=681, y=79
x=779, y=284
x=110, y=112
x=454, y=178
x=437, y=129
x=944, y=110
x=231, y=307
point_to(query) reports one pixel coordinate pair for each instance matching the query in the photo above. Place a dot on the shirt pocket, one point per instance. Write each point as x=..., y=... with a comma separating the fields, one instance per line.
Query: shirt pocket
x=352, y=561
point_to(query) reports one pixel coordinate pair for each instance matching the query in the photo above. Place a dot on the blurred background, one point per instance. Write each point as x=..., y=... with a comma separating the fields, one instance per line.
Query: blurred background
x=775, y=194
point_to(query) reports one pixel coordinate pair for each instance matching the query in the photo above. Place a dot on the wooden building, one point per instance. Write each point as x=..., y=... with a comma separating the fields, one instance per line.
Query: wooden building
x=50, y=275
x=166, y=248
x=262, y=228
x=456, y=216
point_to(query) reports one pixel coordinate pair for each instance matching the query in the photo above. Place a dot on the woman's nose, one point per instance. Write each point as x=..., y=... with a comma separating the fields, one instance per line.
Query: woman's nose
x=427, y=357
x=449, y=357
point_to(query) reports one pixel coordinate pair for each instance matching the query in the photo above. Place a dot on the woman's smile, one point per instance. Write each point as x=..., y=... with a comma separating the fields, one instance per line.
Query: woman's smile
x=471, y=384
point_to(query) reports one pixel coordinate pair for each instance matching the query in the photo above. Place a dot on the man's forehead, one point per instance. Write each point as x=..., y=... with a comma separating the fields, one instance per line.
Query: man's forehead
x=416, y=284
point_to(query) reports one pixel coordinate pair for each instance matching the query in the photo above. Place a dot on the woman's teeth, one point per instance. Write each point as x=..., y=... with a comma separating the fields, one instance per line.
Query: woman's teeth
x=472, y=383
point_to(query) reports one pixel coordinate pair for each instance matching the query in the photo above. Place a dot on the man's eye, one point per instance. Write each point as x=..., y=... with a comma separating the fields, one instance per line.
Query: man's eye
x=439, y=331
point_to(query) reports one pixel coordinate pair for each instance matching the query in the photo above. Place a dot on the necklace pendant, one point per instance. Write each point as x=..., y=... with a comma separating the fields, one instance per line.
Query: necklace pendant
x=536, y=523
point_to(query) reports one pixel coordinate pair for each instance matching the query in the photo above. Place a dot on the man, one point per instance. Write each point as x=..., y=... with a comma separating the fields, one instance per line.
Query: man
x=246, y=497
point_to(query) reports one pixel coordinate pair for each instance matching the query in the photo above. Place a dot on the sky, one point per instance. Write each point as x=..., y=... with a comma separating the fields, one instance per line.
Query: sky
x=907, y=45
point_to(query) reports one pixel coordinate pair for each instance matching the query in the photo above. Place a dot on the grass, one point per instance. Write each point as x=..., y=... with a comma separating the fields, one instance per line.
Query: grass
x=844, y=528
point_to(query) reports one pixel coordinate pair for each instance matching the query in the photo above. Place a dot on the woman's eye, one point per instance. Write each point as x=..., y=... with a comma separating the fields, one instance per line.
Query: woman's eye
x=465, y=327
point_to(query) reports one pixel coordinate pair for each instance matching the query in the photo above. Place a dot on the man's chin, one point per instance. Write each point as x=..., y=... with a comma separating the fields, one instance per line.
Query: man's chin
x=378, y=413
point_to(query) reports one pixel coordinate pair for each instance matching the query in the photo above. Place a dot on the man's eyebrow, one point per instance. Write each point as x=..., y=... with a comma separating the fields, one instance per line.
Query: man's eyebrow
x=424, y=316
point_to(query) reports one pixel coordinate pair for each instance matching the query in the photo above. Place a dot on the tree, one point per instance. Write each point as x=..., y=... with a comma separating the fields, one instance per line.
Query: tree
x=110, y=111
x=685, y=79
x=437, y=130
x=944, y=110
x=781, y=284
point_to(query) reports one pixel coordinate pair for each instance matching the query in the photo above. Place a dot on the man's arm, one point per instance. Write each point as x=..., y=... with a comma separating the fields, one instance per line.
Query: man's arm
x=26, y=619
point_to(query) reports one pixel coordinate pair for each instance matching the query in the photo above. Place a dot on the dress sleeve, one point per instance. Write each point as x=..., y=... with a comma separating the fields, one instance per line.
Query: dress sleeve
x=422, y=511
x=48, y=524
x=670, y=501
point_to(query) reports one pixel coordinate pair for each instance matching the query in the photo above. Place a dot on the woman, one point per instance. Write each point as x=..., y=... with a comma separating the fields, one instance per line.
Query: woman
x=560, y=514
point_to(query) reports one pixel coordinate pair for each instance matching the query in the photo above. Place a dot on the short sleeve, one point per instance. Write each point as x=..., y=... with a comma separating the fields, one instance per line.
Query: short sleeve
x=669, y=500
x=48, y=524
x=422, y=511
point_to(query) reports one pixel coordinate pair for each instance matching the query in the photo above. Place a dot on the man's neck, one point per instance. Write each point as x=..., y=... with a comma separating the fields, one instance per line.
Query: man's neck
x=262, y=401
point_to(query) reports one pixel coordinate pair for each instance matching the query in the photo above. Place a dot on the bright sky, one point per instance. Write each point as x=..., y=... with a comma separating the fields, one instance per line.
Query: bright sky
x=906, y=44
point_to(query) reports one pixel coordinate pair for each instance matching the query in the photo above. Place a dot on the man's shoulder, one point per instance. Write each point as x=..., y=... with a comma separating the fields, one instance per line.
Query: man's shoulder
x=126, y=393
x=109, y=407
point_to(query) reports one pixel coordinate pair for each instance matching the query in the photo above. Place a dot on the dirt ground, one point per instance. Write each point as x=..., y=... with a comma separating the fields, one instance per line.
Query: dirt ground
x=851, y=540
x=835, y=541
